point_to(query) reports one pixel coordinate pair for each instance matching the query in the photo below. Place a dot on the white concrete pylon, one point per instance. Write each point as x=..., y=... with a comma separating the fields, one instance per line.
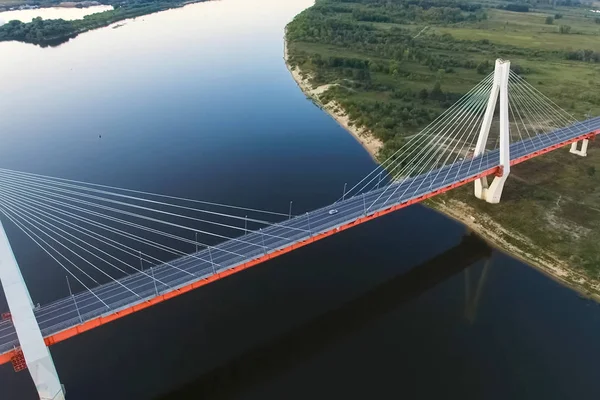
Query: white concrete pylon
x=37, y=356
x=580, y=152
x=492, y=193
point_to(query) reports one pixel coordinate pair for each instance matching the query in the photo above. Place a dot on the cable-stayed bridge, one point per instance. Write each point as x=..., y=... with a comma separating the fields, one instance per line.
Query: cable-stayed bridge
x=124, y=250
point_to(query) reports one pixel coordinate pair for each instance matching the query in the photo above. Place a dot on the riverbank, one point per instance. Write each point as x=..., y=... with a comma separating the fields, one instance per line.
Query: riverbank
x=517, y=246
x=370, y=143
x=494, y=233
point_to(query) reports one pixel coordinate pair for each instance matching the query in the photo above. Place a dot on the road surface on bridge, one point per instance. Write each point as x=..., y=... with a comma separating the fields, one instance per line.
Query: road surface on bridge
x=70, y=316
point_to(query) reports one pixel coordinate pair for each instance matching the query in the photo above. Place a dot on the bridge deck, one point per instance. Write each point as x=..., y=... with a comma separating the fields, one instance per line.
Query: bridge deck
x=62, y=319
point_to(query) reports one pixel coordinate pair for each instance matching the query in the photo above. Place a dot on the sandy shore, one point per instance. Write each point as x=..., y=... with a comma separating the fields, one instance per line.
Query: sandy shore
x=335, y=110
x=493, y=232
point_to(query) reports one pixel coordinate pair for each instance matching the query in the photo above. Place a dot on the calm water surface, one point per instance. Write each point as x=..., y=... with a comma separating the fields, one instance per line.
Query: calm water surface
x=197, y=102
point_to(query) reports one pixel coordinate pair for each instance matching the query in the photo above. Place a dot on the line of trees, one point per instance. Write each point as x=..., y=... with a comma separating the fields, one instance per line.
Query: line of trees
x=56, y=31
x=514, y=7
x=36, y=31
x=433, y=11
x=583, y=55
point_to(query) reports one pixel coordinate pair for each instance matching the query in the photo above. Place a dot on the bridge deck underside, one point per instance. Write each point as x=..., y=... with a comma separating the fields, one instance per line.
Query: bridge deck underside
x=70, y=312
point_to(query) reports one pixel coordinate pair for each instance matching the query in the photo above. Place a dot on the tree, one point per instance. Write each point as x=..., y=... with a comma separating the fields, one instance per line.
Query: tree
x=362, y=74
x=393, y=67
x=423, y=94
x=517, y=69
x=483, y=67
x=549, y=20
x=597, y=20
x=436, y=93
x=591, y=171
x=558, y=16
x=564, y=29
x=516, y=7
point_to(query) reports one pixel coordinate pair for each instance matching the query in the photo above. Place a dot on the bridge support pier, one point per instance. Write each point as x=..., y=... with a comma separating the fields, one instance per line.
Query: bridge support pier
x=492, y=193
x=580, y=152
x=37, y=356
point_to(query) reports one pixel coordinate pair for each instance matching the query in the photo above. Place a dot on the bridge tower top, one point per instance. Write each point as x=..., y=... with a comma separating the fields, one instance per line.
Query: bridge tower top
x=492, y=193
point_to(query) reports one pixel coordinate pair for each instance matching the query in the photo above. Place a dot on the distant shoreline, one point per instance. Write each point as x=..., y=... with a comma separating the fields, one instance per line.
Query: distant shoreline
x=78, y=4
x=41, y=33
x=25, y=7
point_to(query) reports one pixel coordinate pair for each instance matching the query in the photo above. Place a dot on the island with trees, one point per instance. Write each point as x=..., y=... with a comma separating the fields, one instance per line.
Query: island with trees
x=391, y=66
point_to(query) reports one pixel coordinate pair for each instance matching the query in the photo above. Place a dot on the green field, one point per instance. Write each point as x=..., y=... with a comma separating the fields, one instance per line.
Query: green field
x=387, y=74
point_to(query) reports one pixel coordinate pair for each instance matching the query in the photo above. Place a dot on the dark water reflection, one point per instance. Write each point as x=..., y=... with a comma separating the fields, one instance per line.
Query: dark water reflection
x=303, y=342
x=196, y=102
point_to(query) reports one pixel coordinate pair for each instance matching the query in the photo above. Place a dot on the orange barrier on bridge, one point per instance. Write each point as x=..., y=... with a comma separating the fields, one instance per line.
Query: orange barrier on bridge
x=94, y=323
x=591, y=135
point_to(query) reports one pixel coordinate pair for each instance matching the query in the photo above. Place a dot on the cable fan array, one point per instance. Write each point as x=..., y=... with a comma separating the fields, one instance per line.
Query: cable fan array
x=100, y=233
x=451, y=138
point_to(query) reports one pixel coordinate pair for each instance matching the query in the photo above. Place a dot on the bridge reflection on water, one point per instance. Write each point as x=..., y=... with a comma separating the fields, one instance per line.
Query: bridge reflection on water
x=266, y=361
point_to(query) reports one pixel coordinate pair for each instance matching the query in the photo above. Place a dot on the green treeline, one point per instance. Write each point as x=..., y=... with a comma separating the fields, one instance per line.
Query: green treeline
x=515, y=7
x=56, y=31
x=449, y=11
x=37, y=31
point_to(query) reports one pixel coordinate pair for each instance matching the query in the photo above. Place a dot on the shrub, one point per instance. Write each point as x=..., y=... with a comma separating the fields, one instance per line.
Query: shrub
x=564, y=29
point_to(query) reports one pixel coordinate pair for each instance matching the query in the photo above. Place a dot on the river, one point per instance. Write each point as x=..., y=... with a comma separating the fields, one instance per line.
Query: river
x=197, y=102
